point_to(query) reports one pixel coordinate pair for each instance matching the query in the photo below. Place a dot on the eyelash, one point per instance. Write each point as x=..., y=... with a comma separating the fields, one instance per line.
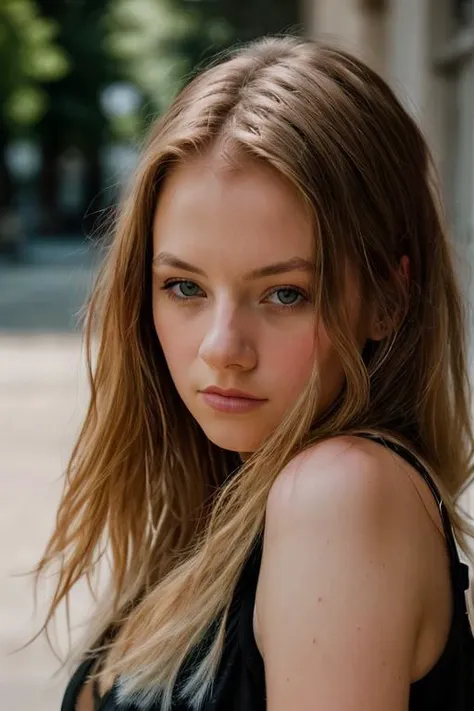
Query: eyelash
x=183, y=300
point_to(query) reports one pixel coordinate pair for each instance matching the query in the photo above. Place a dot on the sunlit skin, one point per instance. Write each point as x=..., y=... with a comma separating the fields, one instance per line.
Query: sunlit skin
x=224, y=325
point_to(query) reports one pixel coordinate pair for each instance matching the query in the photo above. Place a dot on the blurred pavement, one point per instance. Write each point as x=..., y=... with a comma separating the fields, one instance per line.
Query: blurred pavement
x=43, y=394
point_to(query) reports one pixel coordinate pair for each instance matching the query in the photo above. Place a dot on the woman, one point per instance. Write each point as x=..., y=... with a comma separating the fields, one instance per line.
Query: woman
x=279, y=394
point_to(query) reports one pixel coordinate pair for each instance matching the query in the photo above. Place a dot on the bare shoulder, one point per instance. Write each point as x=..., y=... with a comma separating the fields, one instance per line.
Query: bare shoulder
x=344, y=577
x=344, y=474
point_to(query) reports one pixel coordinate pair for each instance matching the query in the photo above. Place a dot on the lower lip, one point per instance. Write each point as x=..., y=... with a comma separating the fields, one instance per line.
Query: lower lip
x=231, y=404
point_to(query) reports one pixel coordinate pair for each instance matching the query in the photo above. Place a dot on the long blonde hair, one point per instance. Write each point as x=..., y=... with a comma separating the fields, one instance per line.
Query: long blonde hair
x=334, y=129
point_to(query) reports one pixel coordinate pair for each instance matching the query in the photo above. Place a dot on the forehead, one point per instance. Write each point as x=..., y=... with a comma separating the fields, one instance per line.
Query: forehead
x=222, y=215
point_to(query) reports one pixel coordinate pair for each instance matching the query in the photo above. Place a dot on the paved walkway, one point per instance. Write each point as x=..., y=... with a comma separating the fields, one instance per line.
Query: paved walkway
x=43, y=395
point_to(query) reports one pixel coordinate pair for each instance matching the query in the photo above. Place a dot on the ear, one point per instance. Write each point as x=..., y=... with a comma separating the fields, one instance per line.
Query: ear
x=379, y=327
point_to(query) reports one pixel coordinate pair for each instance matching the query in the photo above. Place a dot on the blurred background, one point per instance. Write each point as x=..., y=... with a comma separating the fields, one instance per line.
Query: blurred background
x=80, y=81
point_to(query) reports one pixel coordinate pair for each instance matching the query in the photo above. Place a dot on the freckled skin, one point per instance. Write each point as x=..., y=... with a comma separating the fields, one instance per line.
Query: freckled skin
x=227, y=223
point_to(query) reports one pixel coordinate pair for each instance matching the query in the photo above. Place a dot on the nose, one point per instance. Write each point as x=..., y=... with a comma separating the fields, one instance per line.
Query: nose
x=226, y=346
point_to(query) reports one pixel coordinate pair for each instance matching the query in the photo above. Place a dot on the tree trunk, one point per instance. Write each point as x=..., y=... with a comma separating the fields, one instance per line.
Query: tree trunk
x=6, y=183
x=50, y=218
x=12, y=235
x=92, y=190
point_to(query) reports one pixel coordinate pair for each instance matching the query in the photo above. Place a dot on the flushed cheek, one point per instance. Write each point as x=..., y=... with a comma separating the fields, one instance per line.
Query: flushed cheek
x=178, y=342
x=329, y=368
x=180, y=356
x=292, y=361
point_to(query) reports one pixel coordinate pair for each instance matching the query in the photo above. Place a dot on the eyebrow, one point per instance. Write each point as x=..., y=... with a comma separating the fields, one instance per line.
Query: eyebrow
x=290, y=265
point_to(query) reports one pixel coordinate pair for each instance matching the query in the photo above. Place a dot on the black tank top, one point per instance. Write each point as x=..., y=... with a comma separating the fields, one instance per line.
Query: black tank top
x=240, y=679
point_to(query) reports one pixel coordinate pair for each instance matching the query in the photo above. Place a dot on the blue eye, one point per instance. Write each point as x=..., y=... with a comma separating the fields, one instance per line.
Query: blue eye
x=188, y=288
x=287, y=297
x=185, y=289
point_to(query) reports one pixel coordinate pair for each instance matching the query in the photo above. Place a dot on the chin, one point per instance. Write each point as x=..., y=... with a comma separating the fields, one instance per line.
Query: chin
x=230, y=438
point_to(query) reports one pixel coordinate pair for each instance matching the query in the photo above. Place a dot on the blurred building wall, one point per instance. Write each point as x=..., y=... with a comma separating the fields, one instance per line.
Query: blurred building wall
x=425, y=49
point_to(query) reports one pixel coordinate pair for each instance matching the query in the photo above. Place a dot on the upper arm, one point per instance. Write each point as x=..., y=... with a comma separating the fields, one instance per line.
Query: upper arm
x=339, y=589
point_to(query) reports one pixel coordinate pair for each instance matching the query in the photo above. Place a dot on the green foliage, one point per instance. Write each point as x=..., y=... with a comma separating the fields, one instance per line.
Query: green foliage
x=29, y=56
x=147, y=37
x=57, y=56
x=25, y=105
x=84, y=45
x=161, y=42
x=223, y=23
x=75, y=114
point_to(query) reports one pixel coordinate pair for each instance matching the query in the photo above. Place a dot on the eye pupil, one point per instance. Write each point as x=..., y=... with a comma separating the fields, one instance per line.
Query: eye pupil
x=287, y=296
x=188, y=288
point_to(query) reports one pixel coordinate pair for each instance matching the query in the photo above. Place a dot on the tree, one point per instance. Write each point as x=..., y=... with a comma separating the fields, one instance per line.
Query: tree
x=148, y=38
x=29, y=57
x=75, y=115
x=222, y=23
x=155, y=45
x=161, y=42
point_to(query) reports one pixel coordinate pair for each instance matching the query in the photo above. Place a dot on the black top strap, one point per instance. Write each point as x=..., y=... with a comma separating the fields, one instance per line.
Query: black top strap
x=460, y=570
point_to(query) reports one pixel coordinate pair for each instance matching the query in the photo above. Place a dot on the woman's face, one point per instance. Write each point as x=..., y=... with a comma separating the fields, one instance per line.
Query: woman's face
x=232, y=274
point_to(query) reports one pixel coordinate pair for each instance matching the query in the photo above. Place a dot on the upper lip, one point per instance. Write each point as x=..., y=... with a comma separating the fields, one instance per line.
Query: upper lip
x=231, y=393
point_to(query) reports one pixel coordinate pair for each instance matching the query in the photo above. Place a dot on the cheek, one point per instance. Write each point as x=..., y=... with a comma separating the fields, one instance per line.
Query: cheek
x=176, y=342
x=329, y=367
x=292, y=359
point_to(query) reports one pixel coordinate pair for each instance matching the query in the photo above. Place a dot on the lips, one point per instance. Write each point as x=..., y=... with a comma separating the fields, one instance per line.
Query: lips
x=231, y=393
x=224, y=401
